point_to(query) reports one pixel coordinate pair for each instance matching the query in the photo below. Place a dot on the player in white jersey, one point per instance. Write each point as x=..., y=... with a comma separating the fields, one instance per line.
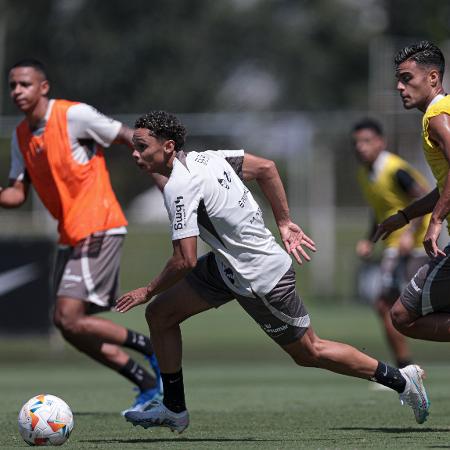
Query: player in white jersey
x=205, y=197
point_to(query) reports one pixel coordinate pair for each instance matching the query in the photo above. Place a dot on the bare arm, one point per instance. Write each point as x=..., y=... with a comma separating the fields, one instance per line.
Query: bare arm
x=183, y=260
x=14, y=195
x=439, y=130
x=265, y=172
x=418, y=208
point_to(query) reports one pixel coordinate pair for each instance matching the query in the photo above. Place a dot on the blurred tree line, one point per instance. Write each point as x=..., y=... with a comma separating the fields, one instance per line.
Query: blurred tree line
x=200, y=55
x=206, y=56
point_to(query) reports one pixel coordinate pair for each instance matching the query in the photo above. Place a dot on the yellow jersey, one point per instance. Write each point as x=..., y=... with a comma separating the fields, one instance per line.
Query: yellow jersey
x=433, y=154
x=385, y=195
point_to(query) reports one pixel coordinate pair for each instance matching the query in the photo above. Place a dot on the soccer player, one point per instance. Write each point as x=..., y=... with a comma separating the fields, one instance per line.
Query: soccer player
x=58, y=148
x=423, y=309
x=205, y=197
x=389, y=184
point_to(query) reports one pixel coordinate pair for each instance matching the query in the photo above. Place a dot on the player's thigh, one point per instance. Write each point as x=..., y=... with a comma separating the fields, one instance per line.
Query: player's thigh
x=68, y=310
x=90, y=271
x=176, y=304
x=389, y=276
x=202, y=289
x=427, y=292
x=281, y=313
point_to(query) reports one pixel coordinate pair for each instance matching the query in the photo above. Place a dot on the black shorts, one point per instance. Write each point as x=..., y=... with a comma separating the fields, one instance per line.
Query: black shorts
x=428, y=290
x=280, y=313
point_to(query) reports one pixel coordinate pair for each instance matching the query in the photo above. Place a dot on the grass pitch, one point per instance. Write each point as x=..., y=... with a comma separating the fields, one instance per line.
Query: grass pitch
x=242, y=391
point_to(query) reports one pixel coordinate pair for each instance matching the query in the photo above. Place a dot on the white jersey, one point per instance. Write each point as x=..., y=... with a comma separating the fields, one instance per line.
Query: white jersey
x=205, y=197
x=86, y=127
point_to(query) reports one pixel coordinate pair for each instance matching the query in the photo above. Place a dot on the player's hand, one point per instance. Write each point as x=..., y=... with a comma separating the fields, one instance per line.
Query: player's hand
x=294, y=240
x=392, y=223
x=132, y=299
x=430, y=240
x=364, y=248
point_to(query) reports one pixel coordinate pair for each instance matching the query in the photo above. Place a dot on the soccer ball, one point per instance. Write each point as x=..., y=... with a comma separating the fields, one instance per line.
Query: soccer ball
x=45, y=420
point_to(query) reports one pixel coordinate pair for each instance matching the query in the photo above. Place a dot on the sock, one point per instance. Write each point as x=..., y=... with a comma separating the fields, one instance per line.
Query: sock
x=174, y=391
x=390, y=377
x=139, y=342
x=403, y=363
x=137, y=375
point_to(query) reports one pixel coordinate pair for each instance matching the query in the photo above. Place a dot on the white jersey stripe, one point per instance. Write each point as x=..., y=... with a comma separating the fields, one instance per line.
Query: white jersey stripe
x=86, y=272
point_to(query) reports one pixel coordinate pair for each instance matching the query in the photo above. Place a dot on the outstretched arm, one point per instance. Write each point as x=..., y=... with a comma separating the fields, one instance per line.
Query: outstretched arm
x=183, y=260
x=265, y=172
x=418, y=208
x=14, y=195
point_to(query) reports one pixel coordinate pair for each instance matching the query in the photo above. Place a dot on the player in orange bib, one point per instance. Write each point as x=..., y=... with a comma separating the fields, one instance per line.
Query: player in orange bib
x=58, y=147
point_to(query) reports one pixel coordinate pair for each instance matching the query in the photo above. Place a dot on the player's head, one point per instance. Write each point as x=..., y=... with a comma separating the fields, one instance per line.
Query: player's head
x=158, y=135
x=28, y=83
x=419, y=69
x=368, y=140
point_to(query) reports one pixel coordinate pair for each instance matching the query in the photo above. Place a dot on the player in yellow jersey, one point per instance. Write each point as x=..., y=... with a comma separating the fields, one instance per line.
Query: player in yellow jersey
x=389, y=183
x=423, y=309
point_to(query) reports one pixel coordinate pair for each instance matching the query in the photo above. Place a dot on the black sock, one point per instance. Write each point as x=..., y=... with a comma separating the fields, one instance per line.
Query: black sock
x=390, y=377
x=139, y=342
x=138, y=375
x=174, y=391
x=403, y=363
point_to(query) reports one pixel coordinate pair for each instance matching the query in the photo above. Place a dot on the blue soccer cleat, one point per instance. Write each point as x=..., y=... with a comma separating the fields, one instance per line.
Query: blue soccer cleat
x=144, y=398
x=154, y=365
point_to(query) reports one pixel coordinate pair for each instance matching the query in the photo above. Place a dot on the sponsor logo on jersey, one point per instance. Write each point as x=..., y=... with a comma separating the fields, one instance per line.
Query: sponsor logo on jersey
x=202, y=159
x=244, y=198
x=257, y=216
x=180, y=214
x=225, y=182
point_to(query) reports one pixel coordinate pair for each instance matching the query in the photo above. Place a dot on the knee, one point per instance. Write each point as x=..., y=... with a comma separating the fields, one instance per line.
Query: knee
x=399, y=317
x=308, y=355
x=158, y=317
x=66, y=323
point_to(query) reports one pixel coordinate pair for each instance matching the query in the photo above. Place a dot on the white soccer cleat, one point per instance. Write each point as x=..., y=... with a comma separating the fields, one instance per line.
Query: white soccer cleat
x=414, y=394
x=157, y=415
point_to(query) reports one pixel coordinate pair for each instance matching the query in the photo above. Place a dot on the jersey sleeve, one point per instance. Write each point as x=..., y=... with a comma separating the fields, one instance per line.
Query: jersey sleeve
x=85, y=122
x=182, y=200
x=17, y=170
x=405, y=180
x=235, y=159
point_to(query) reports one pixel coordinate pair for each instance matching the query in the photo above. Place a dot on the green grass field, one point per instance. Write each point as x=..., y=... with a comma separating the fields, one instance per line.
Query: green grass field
x=242, y=391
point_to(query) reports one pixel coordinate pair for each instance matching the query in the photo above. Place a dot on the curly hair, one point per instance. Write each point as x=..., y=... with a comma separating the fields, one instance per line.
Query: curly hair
x=163, y=125
x=424, y=53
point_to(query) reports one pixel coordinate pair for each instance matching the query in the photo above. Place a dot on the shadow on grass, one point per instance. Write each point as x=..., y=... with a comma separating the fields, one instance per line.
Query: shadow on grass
x=394, y=430
x=175, y=439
